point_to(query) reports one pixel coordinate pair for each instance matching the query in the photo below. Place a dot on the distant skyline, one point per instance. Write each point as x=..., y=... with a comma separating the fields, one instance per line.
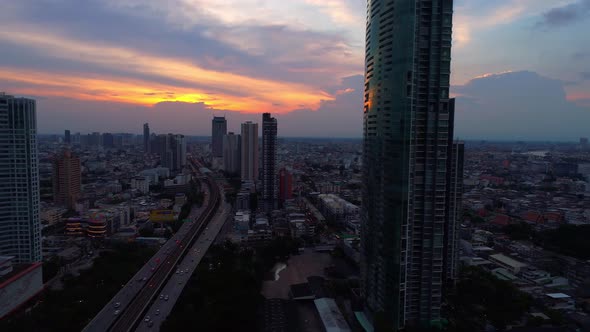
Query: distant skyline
x=520, y=67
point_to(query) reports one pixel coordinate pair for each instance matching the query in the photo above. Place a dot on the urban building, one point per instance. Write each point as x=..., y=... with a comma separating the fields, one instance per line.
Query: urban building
x=108, y=140
x=285, y=185
x=146, y=138
x=454, y=210
x=141, y=184
x=172, y=151
x=231, y=153
x=20, y=225
x=67, y=179
x=408, y=122
x=18, y=284
x=269, y=162
x=249, y=153
x=218, y=130
x=67, y=137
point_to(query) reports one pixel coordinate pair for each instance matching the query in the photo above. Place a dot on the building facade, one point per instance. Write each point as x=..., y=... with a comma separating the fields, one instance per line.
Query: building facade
x=249, y=167
x=408, y=121
x=67, y=179
x=231, y=153
x=454, y=211
x=146, y=138
x=285, y=185
x=172, y=151
x=20, y=226
x=67, y=137
x=218, y=130
x=269, y=163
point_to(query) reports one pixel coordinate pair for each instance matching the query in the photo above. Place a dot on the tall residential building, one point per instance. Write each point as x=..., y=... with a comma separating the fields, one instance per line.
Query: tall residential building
x=146, y=138
x=269, y=162
x=108, y=140
x=67, y=137
x=172, y=151
x=20, y=226
x=76, y=139
x=67, y=179
x=218, y=130
x=408, y=133
x=231, y=153
x=249, y=167
x=285, y=185
x=454, y=211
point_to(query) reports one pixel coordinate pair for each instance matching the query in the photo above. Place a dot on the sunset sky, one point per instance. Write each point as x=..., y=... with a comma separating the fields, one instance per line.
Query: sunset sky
x=521, y=68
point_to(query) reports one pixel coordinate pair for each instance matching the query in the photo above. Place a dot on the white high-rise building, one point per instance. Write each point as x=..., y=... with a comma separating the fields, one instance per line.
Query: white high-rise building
x=249, y=151
x=20, y=226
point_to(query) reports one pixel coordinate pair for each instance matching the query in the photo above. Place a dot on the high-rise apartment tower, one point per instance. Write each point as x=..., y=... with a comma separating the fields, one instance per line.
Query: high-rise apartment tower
x=249, y=156
x=67, y=179
x=408, y=141
x=218, y=130
x=20, y=226
x=269, y=162
x=146, y=138
x=232, y=150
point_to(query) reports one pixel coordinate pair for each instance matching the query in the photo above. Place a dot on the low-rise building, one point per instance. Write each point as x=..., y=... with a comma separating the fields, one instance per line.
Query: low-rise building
x=512, y=265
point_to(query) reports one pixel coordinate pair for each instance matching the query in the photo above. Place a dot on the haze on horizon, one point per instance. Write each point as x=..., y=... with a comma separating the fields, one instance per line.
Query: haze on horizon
x=520, y=67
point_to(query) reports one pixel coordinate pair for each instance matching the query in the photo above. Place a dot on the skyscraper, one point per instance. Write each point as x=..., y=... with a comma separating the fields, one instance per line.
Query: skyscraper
x=218, y=130
x=108, y=140
x=146, y=138
x=67, y=179
x=269, y=162
x=67, y=137
x=249, y=167
x=231, y=153
x=20, y=226
x=172, y=151
x=408, y=122
x=454, y=211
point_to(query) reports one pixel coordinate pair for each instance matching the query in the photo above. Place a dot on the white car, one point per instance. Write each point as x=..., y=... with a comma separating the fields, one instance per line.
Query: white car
x=161, y=297
x=117, y=304
x=147, y=319
x=166, y=298
x=157, y=312
x=117, y=312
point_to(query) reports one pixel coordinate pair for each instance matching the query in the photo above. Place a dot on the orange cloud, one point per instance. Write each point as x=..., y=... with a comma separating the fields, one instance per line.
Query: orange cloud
x=344, y=91
x=578, y=96
x=196, y=82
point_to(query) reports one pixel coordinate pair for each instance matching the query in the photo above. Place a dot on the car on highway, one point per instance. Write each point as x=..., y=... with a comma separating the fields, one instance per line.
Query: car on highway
x=157, y=312
x=117, y=304
x=117, y=312
x=166, y=298
x=161, y=296
x=150, y=323
x=147, y=319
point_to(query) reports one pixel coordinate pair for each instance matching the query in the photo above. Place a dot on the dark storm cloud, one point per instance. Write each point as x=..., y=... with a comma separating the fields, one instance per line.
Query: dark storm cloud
x=561, y=16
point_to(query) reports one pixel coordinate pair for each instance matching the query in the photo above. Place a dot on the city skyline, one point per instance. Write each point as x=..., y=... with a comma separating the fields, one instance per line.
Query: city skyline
x=530, y=45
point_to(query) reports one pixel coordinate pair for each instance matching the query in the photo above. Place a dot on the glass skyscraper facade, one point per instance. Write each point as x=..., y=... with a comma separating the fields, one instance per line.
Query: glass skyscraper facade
x=269, y=162
x=218, y=130
x=20, y=226
x=408, y=140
